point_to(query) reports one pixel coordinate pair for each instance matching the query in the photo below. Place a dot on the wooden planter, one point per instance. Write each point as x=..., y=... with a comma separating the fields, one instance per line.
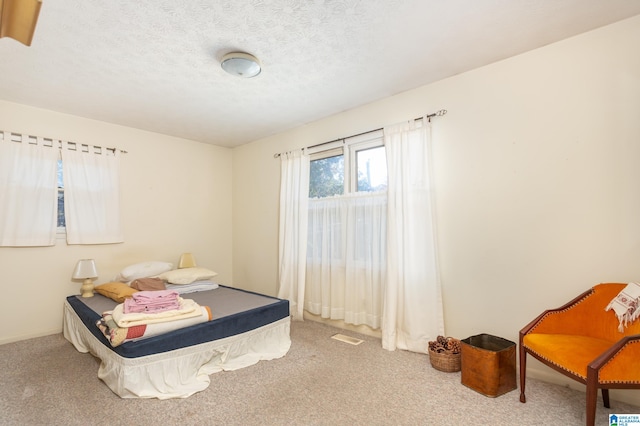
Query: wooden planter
x=488, y=364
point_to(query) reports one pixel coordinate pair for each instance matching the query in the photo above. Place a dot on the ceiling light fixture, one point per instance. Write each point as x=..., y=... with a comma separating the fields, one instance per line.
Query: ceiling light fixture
x=18, y=19
x=241, y=64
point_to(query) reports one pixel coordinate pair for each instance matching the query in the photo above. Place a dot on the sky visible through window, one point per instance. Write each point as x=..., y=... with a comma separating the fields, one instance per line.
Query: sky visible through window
x=372, y=169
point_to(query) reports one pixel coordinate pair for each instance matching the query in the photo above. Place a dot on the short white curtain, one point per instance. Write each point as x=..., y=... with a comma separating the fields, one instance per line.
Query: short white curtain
x=346, y=258
x=92, y=197
x=294, y=196
x=28, y=194
x=413, y=312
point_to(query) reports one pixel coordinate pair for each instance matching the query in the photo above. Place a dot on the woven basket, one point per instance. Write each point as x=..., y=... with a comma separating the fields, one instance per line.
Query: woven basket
x=445, y=361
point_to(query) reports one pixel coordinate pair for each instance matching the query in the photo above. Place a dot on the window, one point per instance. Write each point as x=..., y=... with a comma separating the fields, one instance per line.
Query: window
x=61, y=221
x=326, y=173
x=41, y=175
x=370, y=165
x=360, y=165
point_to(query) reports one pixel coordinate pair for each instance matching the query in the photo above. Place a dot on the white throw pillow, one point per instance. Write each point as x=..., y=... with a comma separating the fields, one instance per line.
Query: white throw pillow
x=143, y=270
x=187, y=275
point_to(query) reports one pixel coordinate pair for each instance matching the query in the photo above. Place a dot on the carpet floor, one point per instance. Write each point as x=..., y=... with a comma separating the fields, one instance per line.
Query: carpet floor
x=321, y=381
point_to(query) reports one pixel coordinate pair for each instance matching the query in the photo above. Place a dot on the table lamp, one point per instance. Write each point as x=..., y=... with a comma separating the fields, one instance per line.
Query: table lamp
x=187, y=261
x=86, y=270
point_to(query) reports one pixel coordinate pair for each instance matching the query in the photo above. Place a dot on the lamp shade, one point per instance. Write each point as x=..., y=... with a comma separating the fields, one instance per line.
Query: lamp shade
x=18, y=19
x=85, y=268
x=187, y=261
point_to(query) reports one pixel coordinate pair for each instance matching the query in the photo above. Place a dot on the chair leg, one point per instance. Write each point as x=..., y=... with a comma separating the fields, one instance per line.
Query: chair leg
x=523, y=372
x=605, y=398
x=592, y=395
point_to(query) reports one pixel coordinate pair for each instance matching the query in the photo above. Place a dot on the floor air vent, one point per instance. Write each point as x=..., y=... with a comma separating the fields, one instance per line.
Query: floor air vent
x=347, y=339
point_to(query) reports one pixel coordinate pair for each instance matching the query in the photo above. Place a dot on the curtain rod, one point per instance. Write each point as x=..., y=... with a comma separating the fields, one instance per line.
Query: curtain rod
x=19, y=137
x=438, y=113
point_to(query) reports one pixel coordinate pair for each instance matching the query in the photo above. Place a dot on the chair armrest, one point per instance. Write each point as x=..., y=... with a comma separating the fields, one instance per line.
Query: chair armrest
x=562, y=308
x=613, y=351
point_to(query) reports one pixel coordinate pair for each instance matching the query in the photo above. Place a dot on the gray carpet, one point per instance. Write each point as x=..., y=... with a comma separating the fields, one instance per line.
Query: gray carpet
x=322, y=381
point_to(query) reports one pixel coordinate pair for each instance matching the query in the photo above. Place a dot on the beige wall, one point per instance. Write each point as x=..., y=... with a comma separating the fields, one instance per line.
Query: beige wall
x=176, y=197
x=536, y=174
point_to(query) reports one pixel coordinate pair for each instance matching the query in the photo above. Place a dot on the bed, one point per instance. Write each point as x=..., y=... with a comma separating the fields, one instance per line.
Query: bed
x=245, y=328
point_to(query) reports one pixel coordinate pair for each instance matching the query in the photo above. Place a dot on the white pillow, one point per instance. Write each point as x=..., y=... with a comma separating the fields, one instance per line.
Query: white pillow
x=143, y=270
x=187, y=275
x=201, y=285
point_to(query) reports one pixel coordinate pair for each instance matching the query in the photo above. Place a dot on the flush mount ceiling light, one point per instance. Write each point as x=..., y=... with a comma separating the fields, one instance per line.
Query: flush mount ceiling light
x=241, y=64
x=18, y=19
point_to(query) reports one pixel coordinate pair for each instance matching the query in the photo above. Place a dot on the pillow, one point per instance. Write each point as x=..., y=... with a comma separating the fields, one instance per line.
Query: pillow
x=187, y=275
x=143, y=270
x=116, y=290
x=148, y=284
x=201, y=285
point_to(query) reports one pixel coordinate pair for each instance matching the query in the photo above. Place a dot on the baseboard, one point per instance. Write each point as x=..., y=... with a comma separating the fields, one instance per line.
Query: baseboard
x=30, y=336
x=362, y=329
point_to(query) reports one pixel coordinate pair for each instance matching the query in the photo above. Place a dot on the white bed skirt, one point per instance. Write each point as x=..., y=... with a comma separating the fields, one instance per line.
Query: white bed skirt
x=181, y=372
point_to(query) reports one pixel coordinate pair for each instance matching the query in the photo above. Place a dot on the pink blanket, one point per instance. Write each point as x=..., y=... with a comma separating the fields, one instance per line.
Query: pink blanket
x=152, y=301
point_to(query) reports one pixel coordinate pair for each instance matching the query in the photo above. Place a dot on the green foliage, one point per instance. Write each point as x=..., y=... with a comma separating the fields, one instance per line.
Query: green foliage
x=326, y=177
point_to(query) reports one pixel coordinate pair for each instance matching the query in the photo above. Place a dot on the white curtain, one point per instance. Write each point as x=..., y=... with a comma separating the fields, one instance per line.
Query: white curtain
x=346, y=257
x=294, y=195
x=413, y=312
x=92, y=197
x=28, y=194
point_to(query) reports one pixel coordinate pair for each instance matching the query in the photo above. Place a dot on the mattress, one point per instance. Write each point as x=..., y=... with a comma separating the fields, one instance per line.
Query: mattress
x=246, y=328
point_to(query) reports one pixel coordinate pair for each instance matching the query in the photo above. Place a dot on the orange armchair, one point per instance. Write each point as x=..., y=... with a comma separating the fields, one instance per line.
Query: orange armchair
x=582, y=341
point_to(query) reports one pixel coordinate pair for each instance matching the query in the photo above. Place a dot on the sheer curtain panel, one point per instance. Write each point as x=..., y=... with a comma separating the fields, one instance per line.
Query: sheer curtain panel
x=413, y=312
x=92, y=197
x=346, y=257
x=294, y=195
x=28, y=194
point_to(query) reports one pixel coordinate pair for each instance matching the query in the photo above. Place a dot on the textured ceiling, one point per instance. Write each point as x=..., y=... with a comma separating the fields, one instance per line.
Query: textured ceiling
x=155, y=64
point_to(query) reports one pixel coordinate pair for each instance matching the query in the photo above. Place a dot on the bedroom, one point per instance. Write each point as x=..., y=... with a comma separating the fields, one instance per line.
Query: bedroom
x=536, y=172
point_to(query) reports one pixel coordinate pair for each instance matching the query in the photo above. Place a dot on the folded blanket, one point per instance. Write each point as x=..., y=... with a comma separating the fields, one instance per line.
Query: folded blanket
x=188, y=308
x=152, y=301
x=626, y=305
x=117, y=335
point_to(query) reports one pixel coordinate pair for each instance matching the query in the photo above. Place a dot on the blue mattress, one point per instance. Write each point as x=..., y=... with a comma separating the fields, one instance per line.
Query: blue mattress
x=234, y=311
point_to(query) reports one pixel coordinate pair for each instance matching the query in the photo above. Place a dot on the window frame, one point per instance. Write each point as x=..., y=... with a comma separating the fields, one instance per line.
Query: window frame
x=349, y=149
